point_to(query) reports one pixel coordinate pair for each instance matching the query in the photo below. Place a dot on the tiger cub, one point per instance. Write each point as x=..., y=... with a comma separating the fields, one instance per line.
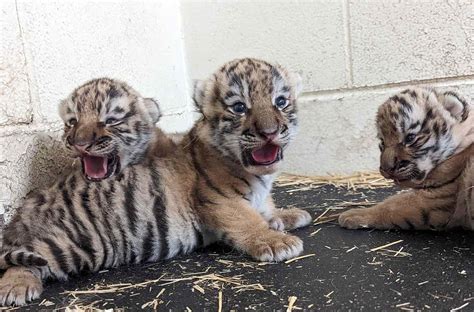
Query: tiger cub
x=140, y=197
x=426, y=143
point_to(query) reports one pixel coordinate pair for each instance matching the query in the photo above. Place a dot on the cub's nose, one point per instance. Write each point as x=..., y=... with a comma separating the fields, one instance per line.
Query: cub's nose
x=82, y=147
x=386, y=173
x=269, y=133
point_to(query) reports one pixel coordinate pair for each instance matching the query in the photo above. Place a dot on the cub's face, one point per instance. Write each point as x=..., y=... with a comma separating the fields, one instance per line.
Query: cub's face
x=108, y=126
x=249, y=112
x=418, y=129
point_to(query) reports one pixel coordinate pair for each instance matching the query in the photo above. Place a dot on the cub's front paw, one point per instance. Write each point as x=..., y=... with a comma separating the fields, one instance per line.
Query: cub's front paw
x=275, y=247
x=356, y=219
x=289, y=219
x=19, y=286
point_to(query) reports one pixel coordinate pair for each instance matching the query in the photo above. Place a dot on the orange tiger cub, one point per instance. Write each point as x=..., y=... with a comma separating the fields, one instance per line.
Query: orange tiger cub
x=141, y=197
x=427, y=145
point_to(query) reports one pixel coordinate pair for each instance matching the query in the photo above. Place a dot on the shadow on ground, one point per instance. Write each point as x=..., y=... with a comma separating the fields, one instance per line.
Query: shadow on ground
x=425, y=271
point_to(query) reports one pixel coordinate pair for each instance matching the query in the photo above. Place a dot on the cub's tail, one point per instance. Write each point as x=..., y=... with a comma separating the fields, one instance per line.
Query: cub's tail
x=21, y=257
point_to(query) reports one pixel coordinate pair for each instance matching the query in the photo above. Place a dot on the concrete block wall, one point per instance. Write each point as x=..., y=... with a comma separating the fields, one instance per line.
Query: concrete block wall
x=351, y=55
x=48, y=48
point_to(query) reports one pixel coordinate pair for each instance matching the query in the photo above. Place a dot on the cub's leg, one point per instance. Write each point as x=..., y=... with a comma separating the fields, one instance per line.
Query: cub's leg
x=413, y=210
x=245, y=229
x=20, y=285
x=286, y=219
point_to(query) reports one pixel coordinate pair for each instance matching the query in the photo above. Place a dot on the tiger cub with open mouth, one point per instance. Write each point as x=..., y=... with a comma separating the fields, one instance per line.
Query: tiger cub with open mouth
x=426, y=143
x=141, y=197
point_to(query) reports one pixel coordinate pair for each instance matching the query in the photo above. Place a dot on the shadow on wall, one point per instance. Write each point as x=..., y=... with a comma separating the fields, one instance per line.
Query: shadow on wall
x=47, y=160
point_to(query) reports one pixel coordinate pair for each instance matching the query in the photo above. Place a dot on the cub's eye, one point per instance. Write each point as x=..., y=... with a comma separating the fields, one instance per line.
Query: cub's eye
x=281, y=102
x=239, y=108
x=410, y=138
x=110, y=121
x=71, y=122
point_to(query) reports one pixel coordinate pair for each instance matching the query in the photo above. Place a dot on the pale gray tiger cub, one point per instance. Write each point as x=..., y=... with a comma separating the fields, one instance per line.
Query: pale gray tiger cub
x=140, y=197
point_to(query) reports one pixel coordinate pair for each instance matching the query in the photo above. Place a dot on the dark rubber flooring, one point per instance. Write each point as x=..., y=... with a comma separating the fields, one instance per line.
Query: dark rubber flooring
x=433, y=271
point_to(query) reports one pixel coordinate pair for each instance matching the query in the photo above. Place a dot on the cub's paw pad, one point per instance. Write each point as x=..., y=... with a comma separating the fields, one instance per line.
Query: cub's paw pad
x=354, y=219
x=18, y=288
x=276, y=247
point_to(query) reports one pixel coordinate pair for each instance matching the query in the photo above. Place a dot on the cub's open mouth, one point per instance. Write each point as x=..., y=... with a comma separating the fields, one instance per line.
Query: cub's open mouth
x=265, y=155
x=97, y=168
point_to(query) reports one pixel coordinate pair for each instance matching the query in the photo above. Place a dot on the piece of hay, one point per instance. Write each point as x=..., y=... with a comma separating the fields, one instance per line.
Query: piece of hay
x=460, y=307
x=155, y=302
x=199, y=288
x=353, y=182
x=242, y=288
x=299, y=258
x=386, y=245
x=291, y=303
x=220, y=301
x=315, y=232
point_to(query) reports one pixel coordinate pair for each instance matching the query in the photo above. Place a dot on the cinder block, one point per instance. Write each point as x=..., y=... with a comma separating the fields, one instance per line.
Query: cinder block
x=395, y=41
x=338, y=134
x=73, y=42
x=29, y=161
x=15, y=106
x=306, y=36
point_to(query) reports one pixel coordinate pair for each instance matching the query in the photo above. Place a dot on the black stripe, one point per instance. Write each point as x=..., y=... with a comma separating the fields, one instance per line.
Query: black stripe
x=20, y=257
x=243, y=180
x=108, y=227
x=8, y=259
x=77, y=260
x=409, y=224
x=118, y=222
x=59, y=222
x=426, y=217
x=85, y=242
x=202, y=173
x=29, y=259
x=159, y=211
x=436, y=186
x=198, y=235
x=260, y=179
x=445, y=208
x=199, y=199
x=130, y=202
x=58, y=255
x=148, y=243
x=85, y=200
x=126, y=244
x=237, y=191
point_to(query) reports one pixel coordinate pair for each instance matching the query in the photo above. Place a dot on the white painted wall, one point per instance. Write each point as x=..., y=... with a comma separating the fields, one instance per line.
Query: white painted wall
x=351, y=55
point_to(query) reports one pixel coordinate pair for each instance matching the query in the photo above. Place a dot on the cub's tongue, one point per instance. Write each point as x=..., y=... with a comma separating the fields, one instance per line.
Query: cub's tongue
x=95, y=167
x=266, y=154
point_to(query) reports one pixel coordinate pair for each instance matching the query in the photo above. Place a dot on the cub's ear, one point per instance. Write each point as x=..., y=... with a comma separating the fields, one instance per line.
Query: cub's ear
x=199, y=93
x=455, y=104
x=297, y=81
x=66, y=109
x=153, y=109
x=62, y=108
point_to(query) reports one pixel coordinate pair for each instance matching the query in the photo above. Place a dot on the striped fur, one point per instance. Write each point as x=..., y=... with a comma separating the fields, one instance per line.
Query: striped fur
x=426, y=144
x=164, y=198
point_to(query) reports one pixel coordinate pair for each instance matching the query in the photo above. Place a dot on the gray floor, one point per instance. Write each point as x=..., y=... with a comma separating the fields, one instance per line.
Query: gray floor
x=433, y=271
